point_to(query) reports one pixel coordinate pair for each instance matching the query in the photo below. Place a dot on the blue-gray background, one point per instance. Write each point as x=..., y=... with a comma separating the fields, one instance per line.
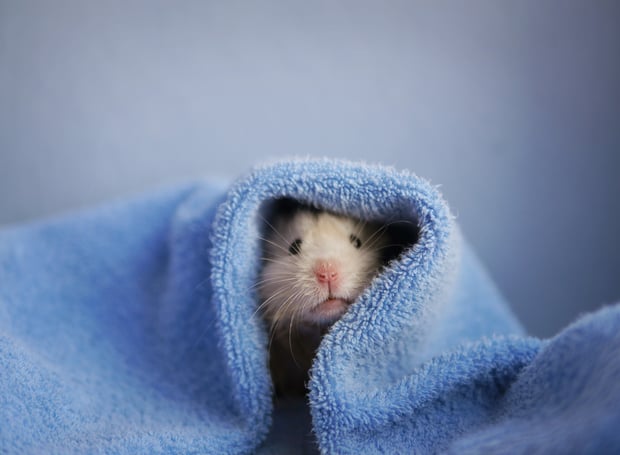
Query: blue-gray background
x=513, y=107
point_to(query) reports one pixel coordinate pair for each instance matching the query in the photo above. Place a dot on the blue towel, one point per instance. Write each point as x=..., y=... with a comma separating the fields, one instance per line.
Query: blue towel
x=131, y=328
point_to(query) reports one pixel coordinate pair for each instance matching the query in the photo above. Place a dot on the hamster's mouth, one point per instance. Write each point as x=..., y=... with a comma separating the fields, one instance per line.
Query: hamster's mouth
x=330, y=310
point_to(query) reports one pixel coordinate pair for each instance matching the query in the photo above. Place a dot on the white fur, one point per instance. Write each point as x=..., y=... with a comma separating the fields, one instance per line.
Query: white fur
x=290, y=292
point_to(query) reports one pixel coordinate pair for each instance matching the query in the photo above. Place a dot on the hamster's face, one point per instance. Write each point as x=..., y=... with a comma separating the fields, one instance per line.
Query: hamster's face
x=316, y=264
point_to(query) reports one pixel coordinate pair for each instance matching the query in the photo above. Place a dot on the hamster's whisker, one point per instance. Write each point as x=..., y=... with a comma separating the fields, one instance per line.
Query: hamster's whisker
x=268, y=301
x=376, y=235
x=276, y=245
x=286, y=261
x=273, y=228
x=290, y=341
x=280, y=278
x=391, y=245
x=284, y=307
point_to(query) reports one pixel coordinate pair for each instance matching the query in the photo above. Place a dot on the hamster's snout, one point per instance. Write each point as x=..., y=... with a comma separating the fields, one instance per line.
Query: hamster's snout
x=327, y=272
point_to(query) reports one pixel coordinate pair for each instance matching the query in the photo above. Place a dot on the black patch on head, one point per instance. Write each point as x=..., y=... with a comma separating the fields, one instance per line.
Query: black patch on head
x=285, y=208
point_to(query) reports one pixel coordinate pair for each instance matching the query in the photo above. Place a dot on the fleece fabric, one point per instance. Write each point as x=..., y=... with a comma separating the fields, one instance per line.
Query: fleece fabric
x=132, y=328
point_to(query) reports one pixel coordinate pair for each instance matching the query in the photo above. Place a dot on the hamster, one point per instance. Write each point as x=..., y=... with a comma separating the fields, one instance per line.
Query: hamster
x=315, y=265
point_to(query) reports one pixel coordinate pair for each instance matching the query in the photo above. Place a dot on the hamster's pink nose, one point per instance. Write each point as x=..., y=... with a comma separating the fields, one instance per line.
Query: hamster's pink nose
x=326, y=272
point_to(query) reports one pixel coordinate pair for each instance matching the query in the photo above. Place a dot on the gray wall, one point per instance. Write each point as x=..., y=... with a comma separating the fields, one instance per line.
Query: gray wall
x=514, y=107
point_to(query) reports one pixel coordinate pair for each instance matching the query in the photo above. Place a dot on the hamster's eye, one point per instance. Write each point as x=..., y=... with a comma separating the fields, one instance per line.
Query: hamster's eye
x=295, y=247
x=355, y=240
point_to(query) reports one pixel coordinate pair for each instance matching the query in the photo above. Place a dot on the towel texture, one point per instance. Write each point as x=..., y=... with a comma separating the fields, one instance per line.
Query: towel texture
x=132, y=328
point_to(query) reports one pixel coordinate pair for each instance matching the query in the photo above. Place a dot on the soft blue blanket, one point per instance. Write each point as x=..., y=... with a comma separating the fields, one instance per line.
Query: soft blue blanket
x=132, y=329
